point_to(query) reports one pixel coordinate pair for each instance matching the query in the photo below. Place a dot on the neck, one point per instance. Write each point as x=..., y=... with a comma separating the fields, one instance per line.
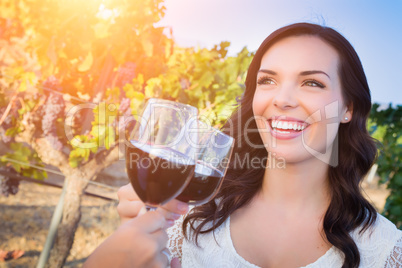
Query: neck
x=296, y=188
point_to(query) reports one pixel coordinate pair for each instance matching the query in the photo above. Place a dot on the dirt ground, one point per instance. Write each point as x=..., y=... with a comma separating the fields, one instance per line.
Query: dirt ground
x=25, y=218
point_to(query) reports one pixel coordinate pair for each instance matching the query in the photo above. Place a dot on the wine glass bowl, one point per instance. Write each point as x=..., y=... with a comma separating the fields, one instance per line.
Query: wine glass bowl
x=160, y=160
x=214, y=152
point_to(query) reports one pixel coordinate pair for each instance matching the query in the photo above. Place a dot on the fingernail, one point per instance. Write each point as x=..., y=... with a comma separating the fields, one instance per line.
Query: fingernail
x=183, y=207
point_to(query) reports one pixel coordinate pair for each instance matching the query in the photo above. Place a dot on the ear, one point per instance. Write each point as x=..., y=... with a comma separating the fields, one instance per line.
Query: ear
x=347, y=115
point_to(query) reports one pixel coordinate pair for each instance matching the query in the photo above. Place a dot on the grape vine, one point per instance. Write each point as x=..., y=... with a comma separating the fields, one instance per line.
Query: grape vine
x=52, y=110
x=9, y=185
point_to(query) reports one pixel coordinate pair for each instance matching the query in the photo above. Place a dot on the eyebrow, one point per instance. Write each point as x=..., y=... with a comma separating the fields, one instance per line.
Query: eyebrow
x=304, y=73
x=267, y=71
x=314, y=72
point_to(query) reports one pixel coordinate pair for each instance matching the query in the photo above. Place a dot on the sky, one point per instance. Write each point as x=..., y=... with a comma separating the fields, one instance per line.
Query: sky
x=373, y=27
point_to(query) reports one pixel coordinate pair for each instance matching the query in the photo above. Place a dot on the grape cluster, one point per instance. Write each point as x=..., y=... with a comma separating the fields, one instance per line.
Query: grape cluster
x=8, y=185
x=124, y=107
x=52, y=109
x=125, y=110
x=77, y=122
x=52, y=83
x=8, y=123
x=125, y=74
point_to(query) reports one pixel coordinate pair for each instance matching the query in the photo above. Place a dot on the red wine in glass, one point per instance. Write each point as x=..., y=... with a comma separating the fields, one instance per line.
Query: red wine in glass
x=203, y=185
x=157, y=174
x=214, y=151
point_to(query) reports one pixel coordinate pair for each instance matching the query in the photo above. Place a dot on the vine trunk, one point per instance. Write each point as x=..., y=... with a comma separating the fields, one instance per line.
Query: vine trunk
x=69, y=223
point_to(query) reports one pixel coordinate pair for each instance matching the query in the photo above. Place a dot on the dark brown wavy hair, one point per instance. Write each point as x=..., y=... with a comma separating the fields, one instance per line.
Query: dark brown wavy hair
x=348, y=208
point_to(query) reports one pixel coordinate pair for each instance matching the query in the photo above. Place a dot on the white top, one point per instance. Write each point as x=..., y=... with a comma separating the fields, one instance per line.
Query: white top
x=381, y=249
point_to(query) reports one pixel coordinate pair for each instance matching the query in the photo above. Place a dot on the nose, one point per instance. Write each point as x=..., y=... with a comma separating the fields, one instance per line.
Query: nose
x=285, y=98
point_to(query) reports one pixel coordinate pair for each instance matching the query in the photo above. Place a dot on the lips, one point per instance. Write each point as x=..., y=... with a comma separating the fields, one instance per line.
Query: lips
x=286, y=128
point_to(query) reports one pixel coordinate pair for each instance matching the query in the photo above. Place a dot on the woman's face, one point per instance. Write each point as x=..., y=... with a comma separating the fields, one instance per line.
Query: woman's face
x=298, y=102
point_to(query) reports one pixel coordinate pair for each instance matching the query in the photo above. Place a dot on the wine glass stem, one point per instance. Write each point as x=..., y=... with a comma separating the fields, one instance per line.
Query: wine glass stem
x=150, y=208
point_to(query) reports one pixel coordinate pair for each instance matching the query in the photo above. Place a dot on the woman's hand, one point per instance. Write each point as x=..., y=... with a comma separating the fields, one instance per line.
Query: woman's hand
x=138, y=242
x=129, y=203
x=130, y=206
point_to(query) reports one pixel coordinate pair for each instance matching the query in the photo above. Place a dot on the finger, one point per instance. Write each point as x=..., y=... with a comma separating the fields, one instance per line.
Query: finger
x=127, y=192
x=169, y=216
x=167, y=255
x=151, y=222
x=176, y=206
x=159, y=262
x=161, y=253
x=143, y=210
x=161, y=238
x=162, y=259
x=129, y=209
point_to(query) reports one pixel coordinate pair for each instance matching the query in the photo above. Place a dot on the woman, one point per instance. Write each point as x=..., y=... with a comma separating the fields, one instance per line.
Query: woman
x=307, y=94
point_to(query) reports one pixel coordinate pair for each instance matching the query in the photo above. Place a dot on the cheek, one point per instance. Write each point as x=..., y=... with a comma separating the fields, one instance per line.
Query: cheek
x=260, y=103
x=323, y=108
x=255, y=105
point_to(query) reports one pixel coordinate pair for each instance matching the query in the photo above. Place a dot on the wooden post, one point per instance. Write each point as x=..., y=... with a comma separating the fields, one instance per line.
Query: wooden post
x=54, y=224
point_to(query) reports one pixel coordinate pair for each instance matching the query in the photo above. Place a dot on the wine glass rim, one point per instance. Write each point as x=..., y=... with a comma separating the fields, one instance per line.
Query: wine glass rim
x=155, y=100
x=215, y=130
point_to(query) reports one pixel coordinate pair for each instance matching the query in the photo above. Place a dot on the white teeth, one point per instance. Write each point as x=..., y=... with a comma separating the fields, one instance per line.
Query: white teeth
x=275, y=124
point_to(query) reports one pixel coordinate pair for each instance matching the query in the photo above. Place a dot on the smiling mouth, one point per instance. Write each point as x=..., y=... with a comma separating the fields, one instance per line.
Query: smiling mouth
x=285, y=126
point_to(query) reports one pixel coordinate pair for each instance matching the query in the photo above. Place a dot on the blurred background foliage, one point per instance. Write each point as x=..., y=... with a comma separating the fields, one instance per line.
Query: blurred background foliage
x=385, y=125
x=57, y=54
x=103, y=52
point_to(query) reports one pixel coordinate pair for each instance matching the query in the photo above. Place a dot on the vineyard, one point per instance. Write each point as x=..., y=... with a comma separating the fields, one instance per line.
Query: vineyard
x=74, y=75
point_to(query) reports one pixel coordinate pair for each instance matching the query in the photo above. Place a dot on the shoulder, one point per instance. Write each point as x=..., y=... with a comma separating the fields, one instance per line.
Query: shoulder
x=376, y=243
x=178, y=244
x=382, y=230
x=214, y=249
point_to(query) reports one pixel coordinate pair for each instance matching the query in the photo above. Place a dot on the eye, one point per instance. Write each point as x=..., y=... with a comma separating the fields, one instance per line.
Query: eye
x=313, y=83
x=265, y=80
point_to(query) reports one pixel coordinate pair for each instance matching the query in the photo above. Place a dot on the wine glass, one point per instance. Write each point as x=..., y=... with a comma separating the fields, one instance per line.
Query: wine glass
x=160, y=160
x=214, y=152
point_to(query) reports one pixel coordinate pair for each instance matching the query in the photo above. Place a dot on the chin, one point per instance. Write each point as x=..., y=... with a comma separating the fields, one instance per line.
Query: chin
x=295, y=155
x=289, y=158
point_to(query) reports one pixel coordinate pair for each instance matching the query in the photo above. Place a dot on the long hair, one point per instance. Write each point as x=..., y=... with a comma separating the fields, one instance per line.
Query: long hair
x=348, y=209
